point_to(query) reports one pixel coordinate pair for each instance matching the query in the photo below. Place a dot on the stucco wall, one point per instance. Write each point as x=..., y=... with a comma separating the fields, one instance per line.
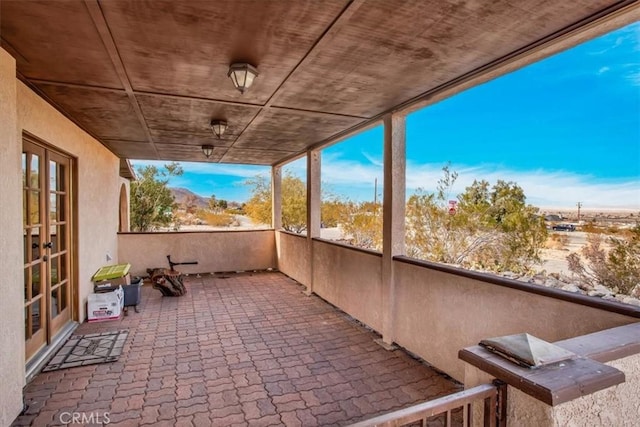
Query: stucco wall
x=293, y=256
x=215, y=251
x=440, y=313
x=615, y=406
x=11, y=258
x=98, y=184
x=349, y=279
x=126, y=184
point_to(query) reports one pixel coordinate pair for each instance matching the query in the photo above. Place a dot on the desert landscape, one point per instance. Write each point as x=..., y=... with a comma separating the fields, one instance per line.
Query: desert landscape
x=608, y=222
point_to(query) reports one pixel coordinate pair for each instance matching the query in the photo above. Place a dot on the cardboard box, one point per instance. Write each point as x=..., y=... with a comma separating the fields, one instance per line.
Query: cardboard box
x=105, y=306
x=111, y=284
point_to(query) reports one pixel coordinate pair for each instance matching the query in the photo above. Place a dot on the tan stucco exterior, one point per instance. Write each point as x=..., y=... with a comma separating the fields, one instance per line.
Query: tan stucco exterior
x=124, y=208
x=98, y=184
x=97, y=195
x=11, y=286
x=436, y=313
x=293, y=256
x=351, y=280
x=214, y=251
x=615, y=406
x=453, y=312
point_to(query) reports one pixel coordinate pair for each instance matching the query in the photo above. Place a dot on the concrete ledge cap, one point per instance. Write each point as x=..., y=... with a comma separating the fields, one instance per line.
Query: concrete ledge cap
x=607, y=345
x=552, y=384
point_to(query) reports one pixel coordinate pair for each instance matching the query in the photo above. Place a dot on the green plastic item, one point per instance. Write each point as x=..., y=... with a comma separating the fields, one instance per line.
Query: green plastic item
x=109, y=272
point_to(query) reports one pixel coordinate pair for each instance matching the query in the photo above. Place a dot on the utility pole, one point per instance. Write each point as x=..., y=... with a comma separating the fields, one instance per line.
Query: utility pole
x=375, y=192
x=579, y=206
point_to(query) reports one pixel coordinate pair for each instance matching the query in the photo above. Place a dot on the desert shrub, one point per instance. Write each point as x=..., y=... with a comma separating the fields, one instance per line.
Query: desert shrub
x=613, y=229
x=218, y=219
x=592, y=228
x=494, y=229
x=618, y=268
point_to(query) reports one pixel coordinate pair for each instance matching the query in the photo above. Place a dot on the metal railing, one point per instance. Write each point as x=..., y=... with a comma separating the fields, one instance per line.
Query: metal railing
x=456, y=409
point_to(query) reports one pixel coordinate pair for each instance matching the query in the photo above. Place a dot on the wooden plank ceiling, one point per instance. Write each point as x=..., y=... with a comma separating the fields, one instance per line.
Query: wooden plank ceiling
x=147, y=77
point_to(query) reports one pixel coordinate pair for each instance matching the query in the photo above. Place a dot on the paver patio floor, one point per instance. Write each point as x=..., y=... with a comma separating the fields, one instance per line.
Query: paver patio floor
x=245, y=349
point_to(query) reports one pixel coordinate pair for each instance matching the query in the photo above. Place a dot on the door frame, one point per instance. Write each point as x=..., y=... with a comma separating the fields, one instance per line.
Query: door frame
x=72, y=227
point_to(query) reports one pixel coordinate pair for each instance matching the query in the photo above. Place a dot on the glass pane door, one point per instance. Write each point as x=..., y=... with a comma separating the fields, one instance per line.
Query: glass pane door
x=35, y=270
x=57, y=241
x=47, y=256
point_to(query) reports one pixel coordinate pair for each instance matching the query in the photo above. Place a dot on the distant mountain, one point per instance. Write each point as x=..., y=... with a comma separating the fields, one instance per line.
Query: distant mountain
x=181, y=195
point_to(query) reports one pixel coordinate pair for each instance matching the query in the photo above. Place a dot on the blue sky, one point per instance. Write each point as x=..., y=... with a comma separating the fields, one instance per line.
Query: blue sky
x=566, y=129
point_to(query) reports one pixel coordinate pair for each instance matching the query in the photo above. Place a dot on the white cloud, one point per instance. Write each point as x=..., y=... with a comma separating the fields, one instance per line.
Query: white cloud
x=243, y=171
x=356, y=180
x=615, y=39
x=375, y=161
x=603, y=70
x=634, y=78
x=542, y=188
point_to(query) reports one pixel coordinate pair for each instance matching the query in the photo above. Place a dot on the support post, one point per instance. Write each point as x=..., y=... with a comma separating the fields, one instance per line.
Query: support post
x=393, y=220
x=314, y=163
x=276, y=197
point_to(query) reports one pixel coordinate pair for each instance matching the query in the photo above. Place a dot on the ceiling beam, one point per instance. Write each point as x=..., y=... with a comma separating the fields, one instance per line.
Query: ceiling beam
x=93, y=7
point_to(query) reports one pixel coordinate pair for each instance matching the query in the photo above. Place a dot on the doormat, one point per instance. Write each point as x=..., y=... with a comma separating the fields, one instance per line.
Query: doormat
x=82, y=350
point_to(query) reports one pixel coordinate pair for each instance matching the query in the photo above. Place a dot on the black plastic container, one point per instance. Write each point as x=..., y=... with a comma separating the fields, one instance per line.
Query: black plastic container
x=132, y=293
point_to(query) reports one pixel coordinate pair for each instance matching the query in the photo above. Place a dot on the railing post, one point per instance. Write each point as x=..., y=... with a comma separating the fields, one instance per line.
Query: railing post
x=314, y=164
x=501, y=404
x=276, y=197
x=393, y=218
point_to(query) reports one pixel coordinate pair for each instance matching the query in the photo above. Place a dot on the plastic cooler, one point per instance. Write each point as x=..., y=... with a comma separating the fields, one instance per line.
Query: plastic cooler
x=132, y=293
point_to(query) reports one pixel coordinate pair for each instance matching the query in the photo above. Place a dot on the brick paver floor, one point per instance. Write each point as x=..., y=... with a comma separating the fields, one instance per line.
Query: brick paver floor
x=246, y=349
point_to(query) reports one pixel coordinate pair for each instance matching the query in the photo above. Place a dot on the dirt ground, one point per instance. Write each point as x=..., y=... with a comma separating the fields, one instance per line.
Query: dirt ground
x=555, y=260
x=554, y=257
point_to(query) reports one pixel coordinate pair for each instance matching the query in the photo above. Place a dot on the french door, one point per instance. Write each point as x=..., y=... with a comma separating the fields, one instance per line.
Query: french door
x=46, y=179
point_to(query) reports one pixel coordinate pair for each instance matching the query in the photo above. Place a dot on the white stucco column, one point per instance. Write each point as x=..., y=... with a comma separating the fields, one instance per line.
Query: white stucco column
x=393, y=212
x=11, y=246
x=276, y=197
x=314, y=163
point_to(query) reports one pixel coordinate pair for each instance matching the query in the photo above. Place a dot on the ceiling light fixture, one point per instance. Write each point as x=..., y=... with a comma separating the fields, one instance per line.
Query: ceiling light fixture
x=218, y=127
x=242, y=75
x=207, y=150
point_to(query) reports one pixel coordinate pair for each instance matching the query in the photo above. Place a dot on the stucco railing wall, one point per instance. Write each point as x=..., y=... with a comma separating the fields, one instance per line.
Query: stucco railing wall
x=215, y=251
x=350, y=279
x=615, y=406
x=440, y=313
x=293, y=256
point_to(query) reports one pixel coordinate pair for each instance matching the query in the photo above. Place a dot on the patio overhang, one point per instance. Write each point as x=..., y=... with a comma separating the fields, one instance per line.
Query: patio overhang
x=145, y=79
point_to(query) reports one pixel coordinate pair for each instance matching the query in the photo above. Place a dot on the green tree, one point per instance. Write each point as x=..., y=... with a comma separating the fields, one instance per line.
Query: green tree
x=217, y=204
x=294, y=202
x=258, y=207
x=493, y=228
x=152, y=203
x=362, y=224
x=334, y=211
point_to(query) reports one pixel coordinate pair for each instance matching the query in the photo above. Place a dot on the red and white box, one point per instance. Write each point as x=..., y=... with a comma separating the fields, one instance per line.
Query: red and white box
x=106, y=305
